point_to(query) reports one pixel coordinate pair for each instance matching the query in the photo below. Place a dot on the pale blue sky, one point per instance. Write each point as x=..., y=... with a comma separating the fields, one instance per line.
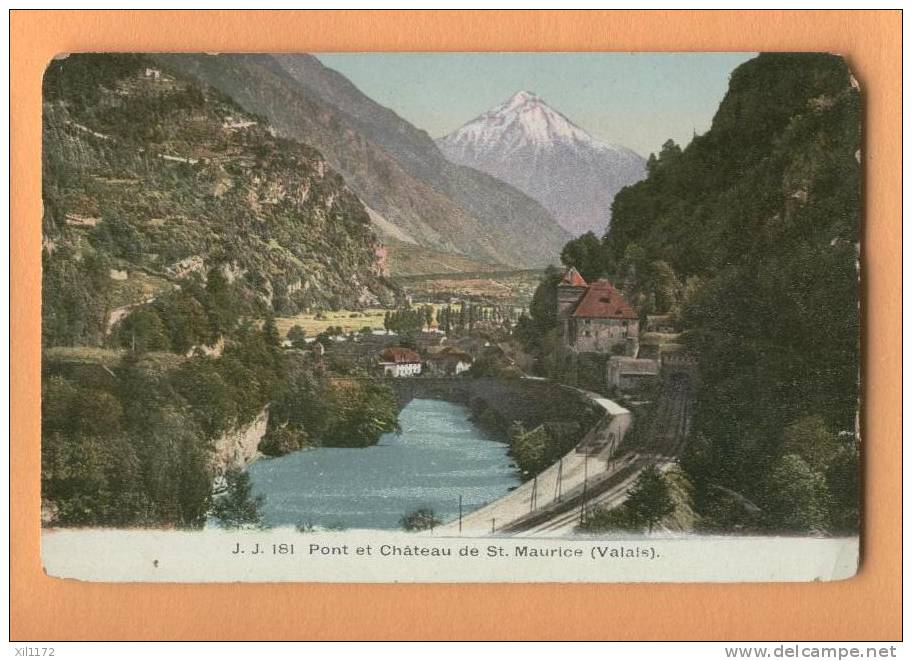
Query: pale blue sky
x=637, y=100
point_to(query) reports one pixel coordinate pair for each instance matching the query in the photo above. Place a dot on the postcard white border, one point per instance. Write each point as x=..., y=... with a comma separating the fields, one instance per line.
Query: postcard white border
x=213, y=556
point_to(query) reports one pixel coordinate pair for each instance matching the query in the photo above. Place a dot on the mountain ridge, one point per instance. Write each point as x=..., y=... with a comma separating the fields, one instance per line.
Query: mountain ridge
x=395, y=168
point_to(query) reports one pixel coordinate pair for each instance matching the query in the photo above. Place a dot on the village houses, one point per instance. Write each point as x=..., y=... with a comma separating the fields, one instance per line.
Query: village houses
x=450, y=361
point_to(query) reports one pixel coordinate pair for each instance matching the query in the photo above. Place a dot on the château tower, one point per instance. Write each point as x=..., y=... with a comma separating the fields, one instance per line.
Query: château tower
x=569, y=291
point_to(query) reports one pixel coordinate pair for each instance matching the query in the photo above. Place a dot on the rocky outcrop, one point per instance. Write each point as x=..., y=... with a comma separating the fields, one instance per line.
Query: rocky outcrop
x=237, y=448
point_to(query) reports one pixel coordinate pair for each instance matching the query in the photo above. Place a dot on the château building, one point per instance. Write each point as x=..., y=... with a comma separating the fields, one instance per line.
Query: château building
x=595, y=318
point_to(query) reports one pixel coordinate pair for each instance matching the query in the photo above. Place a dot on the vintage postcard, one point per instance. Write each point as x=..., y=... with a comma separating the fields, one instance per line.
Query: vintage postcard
x=450, y=317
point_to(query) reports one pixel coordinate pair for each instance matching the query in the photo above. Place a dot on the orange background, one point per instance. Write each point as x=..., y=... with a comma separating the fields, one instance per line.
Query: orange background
x=865, y=607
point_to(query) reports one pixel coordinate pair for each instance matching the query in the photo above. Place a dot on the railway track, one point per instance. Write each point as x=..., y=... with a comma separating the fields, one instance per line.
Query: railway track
x=660, y=445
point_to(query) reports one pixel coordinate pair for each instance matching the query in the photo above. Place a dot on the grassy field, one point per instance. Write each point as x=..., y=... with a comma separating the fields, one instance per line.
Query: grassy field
x=139, y=286
x=317, y=322
x=162, y=360
x=350, y=320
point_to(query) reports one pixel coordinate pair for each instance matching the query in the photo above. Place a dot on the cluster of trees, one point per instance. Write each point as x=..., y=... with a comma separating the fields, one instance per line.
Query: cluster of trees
x=493, y=361
x=422, y=518
x=748, y=238
x=327, y=336
x=196, y=314
x=538, y=330
x=529, y=448
x=407, y=320
x=74, y=297
x=312, y=410
x=808, y=483
x=297, y=336
x=238, y=507
x=465, y=316
x=537, y=449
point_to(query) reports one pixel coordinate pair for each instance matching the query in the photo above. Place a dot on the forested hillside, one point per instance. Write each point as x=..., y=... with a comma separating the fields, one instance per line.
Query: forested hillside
x=175, y=227
x=749, y=239
x=150, y=180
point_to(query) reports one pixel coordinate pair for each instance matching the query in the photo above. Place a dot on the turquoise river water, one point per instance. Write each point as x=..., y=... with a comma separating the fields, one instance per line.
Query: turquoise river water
x=439, y=455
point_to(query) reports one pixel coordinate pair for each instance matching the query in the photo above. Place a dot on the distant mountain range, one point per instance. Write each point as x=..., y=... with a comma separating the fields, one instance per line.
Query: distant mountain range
x=415, y=196
x=528, y=144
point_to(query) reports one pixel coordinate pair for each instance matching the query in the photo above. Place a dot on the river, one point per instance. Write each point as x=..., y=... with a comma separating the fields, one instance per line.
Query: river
x=439, y=455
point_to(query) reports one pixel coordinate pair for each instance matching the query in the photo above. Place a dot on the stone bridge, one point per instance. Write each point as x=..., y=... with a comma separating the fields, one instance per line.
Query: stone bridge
x=528, y=400
x=449, y=388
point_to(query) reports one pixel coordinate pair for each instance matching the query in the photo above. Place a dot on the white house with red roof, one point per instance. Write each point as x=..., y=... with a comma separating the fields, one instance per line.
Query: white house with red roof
x=596, y=318
x=400, y=361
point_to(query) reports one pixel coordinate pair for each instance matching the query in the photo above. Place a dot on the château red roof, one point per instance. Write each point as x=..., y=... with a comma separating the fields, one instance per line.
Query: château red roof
x=603, y=301
x=573, y=278
x=399, y=355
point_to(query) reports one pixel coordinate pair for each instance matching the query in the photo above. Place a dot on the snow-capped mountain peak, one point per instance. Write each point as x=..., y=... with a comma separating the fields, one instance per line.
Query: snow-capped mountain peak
x=521, y=97
x=535, y=148
x=524, y=120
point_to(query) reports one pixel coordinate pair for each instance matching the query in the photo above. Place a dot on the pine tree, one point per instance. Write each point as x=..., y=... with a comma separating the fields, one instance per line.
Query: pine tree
x=421, y=519
x=796, y=499
x=649, y=501
x=271, y=332
x=238, y=508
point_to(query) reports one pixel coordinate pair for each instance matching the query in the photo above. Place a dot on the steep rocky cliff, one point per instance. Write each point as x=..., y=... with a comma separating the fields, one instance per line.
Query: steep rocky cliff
x=237, y=448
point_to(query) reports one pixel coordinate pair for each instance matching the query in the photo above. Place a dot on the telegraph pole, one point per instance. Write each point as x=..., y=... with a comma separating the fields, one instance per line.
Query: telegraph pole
x=534, y=499
x=460, y=512
x=585, y=488
x=559, y=485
